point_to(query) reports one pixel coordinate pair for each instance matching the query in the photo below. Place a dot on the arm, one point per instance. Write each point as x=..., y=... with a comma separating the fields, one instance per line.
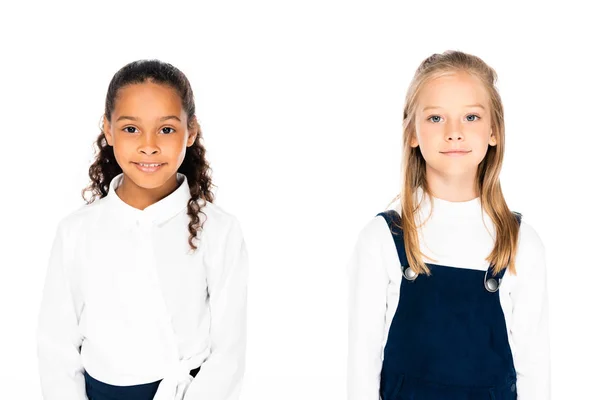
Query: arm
x=529, y=329
x=220, y=377
x=368, y=281
x=58, y=338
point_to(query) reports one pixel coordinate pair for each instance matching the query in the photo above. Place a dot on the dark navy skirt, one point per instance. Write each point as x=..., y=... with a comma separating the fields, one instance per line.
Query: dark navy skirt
x=97, y=390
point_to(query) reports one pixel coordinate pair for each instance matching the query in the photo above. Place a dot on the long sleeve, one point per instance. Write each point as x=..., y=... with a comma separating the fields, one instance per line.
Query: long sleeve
x=368, y=281
x=220, y=377
x=58, y=338
x=529, y=330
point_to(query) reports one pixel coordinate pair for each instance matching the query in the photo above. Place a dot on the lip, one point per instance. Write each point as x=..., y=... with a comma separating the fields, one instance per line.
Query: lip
x=456, y=152
x=148, y=169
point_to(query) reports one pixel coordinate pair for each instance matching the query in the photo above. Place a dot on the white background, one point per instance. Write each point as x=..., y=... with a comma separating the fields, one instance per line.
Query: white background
x=301, y=108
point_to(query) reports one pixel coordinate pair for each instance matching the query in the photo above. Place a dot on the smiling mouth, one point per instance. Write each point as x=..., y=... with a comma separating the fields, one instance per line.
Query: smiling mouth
x=148, y=164
x=148, y=167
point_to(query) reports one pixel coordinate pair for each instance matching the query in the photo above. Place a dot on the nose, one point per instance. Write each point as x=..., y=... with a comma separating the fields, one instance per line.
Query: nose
x=454, y=132
x=148, y=144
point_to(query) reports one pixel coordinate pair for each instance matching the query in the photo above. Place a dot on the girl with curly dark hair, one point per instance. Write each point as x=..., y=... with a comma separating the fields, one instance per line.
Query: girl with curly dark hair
x=145, y=293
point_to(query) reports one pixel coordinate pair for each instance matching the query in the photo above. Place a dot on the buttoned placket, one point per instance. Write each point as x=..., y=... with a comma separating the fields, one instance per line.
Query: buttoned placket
x=177, y=379
x=145, y=258
x=144, y=236
x=143, y=226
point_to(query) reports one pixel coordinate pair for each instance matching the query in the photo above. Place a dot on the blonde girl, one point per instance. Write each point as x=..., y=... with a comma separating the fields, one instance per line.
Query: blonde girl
x=448, y=292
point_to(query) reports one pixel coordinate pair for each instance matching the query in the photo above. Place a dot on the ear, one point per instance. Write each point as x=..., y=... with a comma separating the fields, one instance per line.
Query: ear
x=107, y=129
x=193, y=132
x=414, y=142
x=492, y=141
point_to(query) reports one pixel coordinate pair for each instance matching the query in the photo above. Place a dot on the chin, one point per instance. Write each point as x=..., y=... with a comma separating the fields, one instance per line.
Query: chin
x=460, y=172
x=454, y=169
x=148, y=180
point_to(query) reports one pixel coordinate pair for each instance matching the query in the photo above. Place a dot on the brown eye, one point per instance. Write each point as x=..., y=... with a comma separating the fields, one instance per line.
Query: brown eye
x=166, y=127
x=129, y=127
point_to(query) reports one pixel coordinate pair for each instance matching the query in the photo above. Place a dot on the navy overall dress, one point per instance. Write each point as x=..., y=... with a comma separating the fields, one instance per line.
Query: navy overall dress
x=97, y=390
x=448, y=338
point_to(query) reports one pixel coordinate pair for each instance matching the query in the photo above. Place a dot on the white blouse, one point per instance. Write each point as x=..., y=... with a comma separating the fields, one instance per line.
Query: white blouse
x=458, y=235
x=126, y=300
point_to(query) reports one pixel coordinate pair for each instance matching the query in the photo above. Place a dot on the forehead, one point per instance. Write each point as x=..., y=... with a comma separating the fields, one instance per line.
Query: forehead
x=147, y=99
x=453, y=90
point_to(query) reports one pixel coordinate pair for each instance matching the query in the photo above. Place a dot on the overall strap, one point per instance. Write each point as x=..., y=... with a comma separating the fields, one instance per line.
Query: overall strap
x=393, y=219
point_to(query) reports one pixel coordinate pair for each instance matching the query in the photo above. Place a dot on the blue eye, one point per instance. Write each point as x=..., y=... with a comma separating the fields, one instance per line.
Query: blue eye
x=436, y=120
x=472, y=115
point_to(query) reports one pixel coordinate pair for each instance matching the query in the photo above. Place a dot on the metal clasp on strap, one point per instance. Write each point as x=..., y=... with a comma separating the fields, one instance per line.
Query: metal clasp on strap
x=408, y=273
x=491, y=284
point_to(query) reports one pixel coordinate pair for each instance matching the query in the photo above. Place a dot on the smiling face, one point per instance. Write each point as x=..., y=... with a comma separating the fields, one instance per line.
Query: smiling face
x=149, y=126
x=453, y=113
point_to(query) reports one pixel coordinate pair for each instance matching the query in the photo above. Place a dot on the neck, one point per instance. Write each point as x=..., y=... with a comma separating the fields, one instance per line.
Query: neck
x=141, y=197
x=452, y=188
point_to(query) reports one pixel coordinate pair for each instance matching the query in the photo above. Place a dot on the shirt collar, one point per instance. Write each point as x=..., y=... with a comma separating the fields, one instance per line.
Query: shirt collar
x=154, y=214
x=444, y=209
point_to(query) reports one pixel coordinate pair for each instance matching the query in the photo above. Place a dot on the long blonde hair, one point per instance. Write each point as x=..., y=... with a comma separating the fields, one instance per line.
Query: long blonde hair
x=488, y=171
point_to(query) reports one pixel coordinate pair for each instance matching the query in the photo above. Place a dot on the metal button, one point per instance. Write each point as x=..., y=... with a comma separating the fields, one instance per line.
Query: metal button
x=409, y=273
x=491, y=284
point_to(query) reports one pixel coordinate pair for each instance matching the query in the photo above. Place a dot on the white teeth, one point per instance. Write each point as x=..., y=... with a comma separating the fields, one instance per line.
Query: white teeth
x=148, y=165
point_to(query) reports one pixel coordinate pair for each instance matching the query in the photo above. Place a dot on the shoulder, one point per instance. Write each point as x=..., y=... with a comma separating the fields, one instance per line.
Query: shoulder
x=72, y=226
x=217, y=214
x=377, y=229
x=374, y=251
x=216, y=219
x=81, y=218
x=531, y=251
x=374, y=233
x=529, y=239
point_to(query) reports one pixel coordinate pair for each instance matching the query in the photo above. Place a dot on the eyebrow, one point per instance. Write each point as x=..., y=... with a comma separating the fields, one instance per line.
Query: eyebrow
x=470, y=105
x=137, y=119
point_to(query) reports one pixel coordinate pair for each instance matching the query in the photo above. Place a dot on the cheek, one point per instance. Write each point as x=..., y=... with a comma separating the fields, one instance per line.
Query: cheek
x=427, y=134
x=479, y=135
x=124, y=146
x=479, y=141
x=120, y=144
x=174, y=146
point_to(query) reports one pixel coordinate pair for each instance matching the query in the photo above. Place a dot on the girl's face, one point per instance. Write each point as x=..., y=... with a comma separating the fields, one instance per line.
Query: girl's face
x=149, y=126
x=453, y=113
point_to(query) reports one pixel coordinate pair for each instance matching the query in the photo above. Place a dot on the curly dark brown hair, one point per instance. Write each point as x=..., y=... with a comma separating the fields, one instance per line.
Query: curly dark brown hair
x=194, y=166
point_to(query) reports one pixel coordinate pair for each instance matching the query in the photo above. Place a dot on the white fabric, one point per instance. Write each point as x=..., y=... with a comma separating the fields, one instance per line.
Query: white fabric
x=126, y=300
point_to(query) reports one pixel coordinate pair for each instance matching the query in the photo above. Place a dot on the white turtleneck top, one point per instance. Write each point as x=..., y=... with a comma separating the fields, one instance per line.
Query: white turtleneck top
x=458, y=235
x=126, y=300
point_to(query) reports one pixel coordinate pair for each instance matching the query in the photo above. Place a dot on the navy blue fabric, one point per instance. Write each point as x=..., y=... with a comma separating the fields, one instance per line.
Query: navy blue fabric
x=448, y=337
x=97, y=390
